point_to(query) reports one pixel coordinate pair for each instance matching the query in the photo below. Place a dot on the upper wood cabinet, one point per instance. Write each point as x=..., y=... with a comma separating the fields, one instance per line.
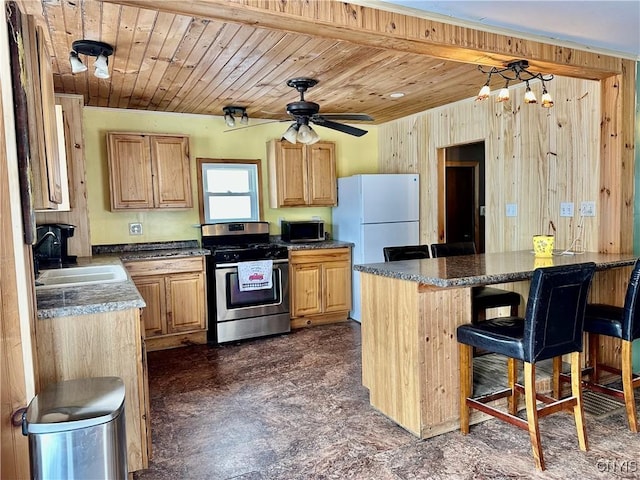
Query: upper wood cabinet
x=41, y=117
x=301, y=175
x=149, y=171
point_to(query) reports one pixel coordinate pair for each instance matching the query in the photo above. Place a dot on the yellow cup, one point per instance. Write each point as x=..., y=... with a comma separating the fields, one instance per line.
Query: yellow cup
x=543, y=246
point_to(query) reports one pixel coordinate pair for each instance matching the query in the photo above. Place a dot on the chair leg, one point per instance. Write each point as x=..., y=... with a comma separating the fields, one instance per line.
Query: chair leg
x=514, y=310
x=594, y=357
x=532, y=413
x=466, y=384
x=555, y=380
x=627, y=385
x=512, y=374
x=576, y=392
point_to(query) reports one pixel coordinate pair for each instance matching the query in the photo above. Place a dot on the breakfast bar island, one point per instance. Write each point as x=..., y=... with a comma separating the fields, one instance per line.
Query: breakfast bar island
x=410, y=312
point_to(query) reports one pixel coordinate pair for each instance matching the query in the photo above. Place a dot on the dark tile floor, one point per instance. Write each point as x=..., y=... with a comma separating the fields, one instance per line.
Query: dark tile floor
x=293, y=407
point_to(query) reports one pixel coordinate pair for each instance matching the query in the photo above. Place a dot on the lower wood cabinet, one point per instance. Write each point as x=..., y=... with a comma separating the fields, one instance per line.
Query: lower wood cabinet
x=320, y=286
x=175, y=293
x=97, y=345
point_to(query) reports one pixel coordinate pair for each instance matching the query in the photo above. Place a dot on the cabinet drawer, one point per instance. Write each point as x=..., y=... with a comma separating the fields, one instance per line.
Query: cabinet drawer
x=164, y=266
x=320, y=255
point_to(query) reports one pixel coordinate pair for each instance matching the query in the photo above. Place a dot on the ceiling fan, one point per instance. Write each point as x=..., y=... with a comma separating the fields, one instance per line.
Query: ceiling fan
x=304, y=113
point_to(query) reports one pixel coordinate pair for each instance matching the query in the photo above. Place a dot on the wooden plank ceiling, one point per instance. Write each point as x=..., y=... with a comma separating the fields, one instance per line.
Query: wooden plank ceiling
x=176, y=63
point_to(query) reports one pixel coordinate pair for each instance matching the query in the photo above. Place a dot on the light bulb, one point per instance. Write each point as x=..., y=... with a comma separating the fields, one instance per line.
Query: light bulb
x=503, y=96
x=101, y=73
x=101, y=62
x=102, y=66
x=485, y=91
x=245, y=119
x=546, y=101
x=306, y=135
x=529, y=96
x=229, y=120
x=291, y=133
x=76, y=64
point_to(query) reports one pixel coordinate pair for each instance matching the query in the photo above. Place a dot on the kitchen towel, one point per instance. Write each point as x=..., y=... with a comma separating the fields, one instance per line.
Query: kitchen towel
x=255, y=275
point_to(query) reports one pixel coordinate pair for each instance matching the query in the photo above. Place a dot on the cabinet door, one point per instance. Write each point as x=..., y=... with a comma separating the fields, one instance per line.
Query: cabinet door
x=38, y=84
x=291, y=171
x=305, y=292
x=172, y=172
x=185, y=302
x=129, y=171
x=154, y=318
x=336, y=281
x=321, y=164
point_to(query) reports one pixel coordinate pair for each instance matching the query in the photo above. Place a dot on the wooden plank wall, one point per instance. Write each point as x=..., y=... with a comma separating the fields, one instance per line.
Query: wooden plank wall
x=535, y=157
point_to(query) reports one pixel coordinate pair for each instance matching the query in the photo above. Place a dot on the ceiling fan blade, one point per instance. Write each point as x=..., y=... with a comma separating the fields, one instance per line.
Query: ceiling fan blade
x=363, y=117
x=233, y=129
x=356, y=132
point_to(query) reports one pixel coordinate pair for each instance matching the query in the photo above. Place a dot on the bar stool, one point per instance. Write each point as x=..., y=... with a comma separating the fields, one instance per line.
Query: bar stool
x=622, y=323
x=482, y=297
x=405, y=252
x=551, y=327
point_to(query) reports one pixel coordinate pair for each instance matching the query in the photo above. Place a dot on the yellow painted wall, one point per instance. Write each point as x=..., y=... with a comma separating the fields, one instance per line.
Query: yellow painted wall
x=208, y=139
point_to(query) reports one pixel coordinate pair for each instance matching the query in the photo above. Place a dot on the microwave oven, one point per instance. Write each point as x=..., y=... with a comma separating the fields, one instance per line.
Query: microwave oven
x=302, y=231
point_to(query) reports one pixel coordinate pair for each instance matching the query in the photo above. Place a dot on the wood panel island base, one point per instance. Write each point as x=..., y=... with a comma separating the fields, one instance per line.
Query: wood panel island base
x=411, y=310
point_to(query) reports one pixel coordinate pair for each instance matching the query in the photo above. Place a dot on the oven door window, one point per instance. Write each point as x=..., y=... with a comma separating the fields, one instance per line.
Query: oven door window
x=238, y=299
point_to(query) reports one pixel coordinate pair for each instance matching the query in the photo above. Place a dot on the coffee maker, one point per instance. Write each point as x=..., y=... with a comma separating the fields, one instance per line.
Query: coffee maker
x=51, y=248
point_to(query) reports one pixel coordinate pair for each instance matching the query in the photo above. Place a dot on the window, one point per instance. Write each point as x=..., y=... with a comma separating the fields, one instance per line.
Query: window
x=229, y=190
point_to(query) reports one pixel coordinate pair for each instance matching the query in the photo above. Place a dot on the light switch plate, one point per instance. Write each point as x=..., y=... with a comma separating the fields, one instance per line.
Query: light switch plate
x=588, y=209
x=512, y=210
x=566, y=209
x=135, y=229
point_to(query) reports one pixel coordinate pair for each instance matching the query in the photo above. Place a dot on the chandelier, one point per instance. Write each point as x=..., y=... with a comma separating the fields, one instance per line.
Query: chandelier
x=516, y=71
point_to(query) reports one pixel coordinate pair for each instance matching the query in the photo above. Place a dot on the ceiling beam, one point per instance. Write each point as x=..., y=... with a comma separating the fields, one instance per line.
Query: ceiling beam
x=382, y=29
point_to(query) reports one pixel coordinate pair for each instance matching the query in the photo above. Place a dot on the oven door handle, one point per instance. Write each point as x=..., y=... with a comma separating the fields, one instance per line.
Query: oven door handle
x=232, y=265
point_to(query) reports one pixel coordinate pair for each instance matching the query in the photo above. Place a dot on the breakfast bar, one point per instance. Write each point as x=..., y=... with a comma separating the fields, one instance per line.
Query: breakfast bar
x=411, y=310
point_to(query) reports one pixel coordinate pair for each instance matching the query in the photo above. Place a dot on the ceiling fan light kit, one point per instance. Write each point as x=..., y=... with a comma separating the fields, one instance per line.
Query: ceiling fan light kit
x=92, y=48
x=518, y=70
x=304, y=113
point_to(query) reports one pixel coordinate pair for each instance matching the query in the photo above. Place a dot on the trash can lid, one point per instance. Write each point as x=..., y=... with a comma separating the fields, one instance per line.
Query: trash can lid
x=75, y=404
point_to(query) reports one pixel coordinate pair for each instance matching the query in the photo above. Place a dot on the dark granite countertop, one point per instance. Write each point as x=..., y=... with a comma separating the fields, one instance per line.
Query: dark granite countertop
x=106, y=297
x=148, y=251
x=486, y=269
x=311, y=245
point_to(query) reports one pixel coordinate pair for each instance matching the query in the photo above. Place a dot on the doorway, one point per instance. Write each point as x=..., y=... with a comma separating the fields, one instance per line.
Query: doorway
x=461, y=194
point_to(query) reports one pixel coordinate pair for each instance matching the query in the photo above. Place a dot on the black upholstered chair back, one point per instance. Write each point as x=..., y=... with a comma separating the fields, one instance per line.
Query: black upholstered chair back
x=631, y=317
x=554, y=319
x=452, y=249
x=405, y=252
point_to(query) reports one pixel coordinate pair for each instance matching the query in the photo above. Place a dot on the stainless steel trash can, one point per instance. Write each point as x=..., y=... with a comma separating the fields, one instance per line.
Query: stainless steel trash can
x=76, y=430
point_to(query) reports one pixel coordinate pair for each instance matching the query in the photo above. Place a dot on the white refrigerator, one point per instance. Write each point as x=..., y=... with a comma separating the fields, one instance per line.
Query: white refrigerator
x=376, y=211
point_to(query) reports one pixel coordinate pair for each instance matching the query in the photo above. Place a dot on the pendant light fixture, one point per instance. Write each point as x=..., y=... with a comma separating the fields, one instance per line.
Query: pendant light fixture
x=92, y=48
x=517, y=70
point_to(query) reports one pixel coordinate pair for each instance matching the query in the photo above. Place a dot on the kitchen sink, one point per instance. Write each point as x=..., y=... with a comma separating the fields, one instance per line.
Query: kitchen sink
x=78, y=276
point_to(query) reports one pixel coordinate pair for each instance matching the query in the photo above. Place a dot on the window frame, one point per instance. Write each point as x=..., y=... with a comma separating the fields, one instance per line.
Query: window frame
x=229, y=161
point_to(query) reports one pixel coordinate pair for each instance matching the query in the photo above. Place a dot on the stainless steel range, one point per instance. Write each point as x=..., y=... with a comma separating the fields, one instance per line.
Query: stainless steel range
x=236, y=313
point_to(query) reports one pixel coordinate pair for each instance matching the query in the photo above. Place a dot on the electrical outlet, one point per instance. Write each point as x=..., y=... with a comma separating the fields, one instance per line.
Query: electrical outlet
x=512, y=210
x=135, y=229
x=588, y=209
x=566, y=209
